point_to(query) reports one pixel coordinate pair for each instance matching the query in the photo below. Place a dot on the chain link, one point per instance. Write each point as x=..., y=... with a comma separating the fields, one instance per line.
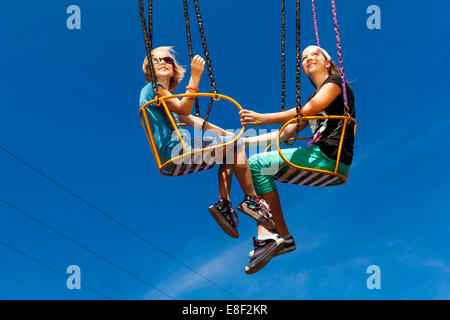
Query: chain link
x=148, y=39
x=189, y=41
x=316, y=29
x=283, y=55
x=283, y=67
x=299, y=66
x=208, y=61
x=341, y=122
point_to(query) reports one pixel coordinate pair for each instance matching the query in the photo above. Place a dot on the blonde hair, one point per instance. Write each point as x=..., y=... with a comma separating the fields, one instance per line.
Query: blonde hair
x=178, y=70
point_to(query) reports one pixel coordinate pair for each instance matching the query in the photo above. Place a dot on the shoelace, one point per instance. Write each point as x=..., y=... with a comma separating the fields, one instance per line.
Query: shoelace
x=222, y=204
x=265, y=206
x=256, y=243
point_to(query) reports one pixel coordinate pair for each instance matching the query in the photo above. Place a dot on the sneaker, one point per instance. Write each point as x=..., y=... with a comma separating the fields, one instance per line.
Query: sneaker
x=289, y=245
x=264, y=251
x=226, y=217
x=257, y=209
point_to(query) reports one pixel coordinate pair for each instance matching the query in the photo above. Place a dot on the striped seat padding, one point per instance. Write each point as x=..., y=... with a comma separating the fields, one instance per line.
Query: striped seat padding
x=191, y=164
x=297, y=176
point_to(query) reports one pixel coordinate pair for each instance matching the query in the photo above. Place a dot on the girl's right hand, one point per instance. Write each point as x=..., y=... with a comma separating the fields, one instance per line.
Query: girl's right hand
x=197, y=67
x=252, y=118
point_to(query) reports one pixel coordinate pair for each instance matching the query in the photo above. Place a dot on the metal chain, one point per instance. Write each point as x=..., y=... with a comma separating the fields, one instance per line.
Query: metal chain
x=148, y=39
x=191, y=54
x=340, y=124
x=283, y=56
x=208, y=62
x=341, y=69
x=339, y=51
x=188, y=29
x=299, y=67
x=316, y=28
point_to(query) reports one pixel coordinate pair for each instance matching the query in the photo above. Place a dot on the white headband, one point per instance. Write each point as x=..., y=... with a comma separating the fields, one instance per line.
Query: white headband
x=322, y=50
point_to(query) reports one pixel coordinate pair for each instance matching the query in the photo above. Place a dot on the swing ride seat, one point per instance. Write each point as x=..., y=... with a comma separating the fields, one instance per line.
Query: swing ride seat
x=191, y=161
x=289, y=172
x=298, y=175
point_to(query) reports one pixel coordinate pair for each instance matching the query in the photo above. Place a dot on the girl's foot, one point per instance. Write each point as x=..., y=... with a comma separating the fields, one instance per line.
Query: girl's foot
x=266, y=246
x=226, y=217
x=257, y=209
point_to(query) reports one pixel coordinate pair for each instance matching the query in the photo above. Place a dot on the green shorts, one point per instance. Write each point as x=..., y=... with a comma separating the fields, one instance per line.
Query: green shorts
x=264, y=165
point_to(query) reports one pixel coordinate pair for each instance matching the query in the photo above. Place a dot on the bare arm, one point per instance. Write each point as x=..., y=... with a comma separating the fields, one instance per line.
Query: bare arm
x=197, y=122
x=184, y=106
x=271, y=137
x=324, y=97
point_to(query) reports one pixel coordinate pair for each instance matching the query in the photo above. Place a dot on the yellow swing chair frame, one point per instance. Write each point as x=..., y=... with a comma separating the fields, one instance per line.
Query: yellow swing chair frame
x=191, y=161
x=299, y=175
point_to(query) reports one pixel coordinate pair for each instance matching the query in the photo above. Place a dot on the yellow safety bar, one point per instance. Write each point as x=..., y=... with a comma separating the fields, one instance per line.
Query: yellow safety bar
x=323, y=173
x=177, y=161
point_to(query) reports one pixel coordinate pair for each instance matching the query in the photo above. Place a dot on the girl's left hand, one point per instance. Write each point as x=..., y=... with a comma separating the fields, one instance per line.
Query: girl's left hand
x=197, y=67
x=252, y=118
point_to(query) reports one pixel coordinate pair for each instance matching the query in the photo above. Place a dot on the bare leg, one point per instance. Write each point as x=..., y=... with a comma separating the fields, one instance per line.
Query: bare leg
x=242, y=171
x=273, y=199
x=225, y=179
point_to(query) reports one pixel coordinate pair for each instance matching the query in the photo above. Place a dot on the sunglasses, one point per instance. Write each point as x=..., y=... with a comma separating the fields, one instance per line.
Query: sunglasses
x=167, y=60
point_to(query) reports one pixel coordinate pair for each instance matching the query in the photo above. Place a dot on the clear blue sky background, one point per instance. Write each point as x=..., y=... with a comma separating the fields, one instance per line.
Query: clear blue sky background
x=69, y=107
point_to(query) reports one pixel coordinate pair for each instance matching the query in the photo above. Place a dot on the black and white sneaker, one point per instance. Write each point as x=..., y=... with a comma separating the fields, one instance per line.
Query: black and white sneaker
x=264, y=250
x=258, y=209
x=225, y=217
x=289, y=246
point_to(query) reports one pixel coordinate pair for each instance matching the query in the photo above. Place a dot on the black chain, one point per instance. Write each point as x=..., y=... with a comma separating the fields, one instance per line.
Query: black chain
x=208, y=62
x=298, y=83
x=283, y=57
x=191, y=54
x=148, y=39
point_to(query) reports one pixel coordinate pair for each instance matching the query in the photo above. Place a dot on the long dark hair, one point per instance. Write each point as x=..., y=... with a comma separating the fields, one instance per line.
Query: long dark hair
x=331, y=70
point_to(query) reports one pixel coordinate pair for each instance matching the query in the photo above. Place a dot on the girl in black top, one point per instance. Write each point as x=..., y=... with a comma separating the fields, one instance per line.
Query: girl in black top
x=327, y=100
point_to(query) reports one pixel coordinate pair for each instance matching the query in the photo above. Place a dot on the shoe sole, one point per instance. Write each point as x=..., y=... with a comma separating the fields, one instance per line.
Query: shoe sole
x=261, y=220
x=256, y=266
x=284, y=251
x=281, y=251
x=223, y=223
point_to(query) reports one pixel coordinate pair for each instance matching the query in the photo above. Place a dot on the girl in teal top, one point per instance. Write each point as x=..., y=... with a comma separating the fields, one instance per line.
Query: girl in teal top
x=168, y=75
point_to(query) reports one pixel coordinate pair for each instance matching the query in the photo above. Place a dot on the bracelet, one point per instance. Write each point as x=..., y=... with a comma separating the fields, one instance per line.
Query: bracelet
x=194, y=89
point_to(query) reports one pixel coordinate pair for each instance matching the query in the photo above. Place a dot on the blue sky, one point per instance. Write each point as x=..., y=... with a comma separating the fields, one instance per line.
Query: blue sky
x=69, y=108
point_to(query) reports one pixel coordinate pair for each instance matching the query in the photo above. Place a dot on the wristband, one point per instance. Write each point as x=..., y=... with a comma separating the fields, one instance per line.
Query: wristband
x=194, y=89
